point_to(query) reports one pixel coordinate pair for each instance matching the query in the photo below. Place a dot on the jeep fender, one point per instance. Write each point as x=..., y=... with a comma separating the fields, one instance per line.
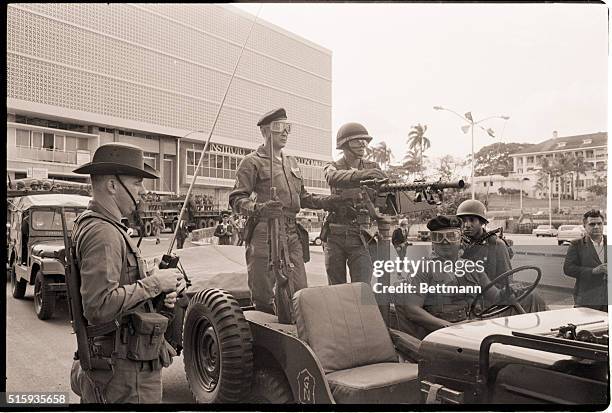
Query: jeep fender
x=47, y=266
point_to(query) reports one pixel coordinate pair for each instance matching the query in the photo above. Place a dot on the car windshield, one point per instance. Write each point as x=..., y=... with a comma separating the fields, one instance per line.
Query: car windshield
x=52, y=220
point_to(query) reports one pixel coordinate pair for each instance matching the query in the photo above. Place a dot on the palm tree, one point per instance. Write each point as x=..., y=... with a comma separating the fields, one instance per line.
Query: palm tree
x=384, y=155
x=411, y=162
x=417, y=139
x=579, y=167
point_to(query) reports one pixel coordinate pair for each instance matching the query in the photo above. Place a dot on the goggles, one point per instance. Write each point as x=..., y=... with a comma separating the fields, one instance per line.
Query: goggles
x=280, y=126
x=358, y=143
x=437, y=237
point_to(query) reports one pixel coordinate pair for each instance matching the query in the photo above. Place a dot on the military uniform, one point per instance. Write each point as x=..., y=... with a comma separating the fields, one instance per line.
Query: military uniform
x=253, y=178
x=348, y=238
x=125, y=334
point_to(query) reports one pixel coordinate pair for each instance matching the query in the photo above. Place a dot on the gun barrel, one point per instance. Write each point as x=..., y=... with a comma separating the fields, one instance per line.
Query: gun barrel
x=420, y=186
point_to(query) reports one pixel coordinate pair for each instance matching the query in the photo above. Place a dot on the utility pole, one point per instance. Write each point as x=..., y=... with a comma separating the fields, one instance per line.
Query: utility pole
x=549, y=202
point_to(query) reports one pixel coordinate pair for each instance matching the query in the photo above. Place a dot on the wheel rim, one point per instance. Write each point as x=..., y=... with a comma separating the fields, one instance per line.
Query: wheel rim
x=207, y=356
x=37, y=294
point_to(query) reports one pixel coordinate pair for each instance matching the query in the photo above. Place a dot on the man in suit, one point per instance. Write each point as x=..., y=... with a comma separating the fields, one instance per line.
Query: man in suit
x=586, y=261
x=399, y=238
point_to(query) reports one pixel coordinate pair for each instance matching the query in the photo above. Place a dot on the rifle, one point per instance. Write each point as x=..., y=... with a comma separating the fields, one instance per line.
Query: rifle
x=75, y=305
x=279, y=265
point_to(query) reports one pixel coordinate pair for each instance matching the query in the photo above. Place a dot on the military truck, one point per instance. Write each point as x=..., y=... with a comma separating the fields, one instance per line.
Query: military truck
x=36, y=246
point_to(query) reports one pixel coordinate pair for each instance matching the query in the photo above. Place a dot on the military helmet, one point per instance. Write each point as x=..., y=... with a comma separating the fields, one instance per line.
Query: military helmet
x=35, y=184
x=472, y=207
x=350, y=131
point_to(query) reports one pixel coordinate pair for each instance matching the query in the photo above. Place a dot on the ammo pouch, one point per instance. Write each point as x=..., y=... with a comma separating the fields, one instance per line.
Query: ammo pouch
x=146, y=336
x=304, y=240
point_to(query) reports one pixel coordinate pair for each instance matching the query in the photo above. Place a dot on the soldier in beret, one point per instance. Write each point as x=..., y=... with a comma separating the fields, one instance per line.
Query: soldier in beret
x=253, y=181
x=346, y=229
x=424, y=311
x=116, y=288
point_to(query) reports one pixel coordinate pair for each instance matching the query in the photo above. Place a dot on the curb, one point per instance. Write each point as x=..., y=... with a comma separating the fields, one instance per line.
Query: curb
x=540, y=254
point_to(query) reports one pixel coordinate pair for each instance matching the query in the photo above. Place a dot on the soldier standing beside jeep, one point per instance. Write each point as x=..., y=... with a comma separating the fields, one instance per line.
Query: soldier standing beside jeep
x=125, y=334
x=346, y=227
x=253, y=177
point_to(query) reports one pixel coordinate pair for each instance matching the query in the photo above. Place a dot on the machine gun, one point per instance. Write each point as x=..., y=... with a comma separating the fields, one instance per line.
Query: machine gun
x=386, y=194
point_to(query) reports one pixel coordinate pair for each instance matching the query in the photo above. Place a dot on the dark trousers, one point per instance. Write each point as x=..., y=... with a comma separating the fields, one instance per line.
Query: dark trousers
x=346, y=246
x=261, y=280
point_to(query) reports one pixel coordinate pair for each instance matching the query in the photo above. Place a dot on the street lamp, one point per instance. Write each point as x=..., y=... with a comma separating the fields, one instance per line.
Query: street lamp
x=521, y=199
x=468, y=118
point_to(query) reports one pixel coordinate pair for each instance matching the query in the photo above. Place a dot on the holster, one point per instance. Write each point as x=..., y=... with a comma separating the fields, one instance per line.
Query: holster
x=145, y=336
x=324, y=231
x=304, y=240
x=249, y=228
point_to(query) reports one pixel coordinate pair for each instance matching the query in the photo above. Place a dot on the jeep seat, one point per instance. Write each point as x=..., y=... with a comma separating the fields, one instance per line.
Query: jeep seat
x=343, y=326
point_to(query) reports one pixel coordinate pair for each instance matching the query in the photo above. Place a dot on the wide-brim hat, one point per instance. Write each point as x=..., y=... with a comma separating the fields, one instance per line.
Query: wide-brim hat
x=118, y=159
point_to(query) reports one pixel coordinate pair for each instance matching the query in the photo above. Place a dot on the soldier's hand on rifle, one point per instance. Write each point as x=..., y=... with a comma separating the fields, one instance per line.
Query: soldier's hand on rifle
x=365, y=174
x=269, y=209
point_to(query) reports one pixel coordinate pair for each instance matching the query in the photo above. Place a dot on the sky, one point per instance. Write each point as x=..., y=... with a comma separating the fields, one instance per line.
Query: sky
x=543, y=65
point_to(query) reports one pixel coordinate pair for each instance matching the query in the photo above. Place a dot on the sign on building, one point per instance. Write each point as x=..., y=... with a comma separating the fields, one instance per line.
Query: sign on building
x=37, y=173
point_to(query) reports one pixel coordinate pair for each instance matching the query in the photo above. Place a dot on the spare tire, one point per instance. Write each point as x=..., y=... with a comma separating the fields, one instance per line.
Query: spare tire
x=147, y=229
x=218, y=348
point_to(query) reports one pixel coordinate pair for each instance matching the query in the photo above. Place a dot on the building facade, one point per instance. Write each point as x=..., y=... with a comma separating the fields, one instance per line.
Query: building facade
x=154, y=75
x=527, y=168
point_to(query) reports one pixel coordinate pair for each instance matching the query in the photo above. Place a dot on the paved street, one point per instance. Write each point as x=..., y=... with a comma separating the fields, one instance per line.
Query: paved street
x=39, y=353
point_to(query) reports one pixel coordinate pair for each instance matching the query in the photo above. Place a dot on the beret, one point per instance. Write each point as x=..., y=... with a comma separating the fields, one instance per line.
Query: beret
x=272, y=116
x=444, y=222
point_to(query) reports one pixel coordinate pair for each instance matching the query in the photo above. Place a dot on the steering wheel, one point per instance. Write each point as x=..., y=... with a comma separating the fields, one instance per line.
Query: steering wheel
x=507, y=293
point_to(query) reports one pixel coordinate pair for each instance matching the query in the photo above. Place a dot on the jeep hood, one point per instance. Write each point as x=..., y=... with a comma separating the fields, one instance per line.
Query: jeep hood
x=48, y=249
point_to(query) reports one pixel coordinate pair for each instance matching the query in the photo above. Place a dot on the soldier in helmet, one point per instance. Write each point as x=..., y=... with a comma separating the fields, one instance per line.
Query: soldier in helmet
x=128, y=348
x=492, y=251
x=253, y=178
x=345, y=230
x=35, y=185
x=433, y=304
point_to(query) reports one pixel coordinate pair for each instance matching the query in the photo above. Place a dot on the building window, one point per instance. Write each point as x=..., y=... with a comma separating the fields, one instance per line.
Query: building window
x=23, y=138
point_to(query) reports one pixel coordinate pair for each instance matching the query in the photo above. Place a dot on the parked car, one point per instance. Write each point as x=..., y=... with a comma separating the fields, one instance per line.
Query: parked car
x=567, y=233
x=307, y=216
x=314, y=238
x=544, y=231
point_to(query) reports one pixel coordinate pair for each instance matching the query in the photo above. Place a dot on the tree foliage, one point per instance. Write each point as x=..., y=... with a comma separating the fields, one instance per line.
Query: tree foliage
x=495, y=159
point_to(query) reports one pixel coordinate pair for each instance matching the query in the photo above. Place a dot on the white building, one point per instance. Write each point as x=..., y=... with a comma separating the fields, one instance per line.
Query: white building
x=80, y=75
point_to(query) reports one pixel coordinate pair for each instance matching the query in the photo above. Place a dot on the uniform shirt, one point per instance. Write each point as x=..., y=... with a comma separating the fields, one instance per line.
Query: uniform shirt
x=340, y=177
x=253, y=177
x=339, y=174
x=494, y=256
x=109, y=282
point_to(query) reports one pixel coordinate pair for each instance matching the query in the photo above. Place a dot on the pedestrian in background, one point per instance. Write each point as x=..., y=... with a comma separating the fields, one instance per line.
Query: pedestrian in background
x=400, y=238
x=224, y=230
x=157, y=225
x=587, y=261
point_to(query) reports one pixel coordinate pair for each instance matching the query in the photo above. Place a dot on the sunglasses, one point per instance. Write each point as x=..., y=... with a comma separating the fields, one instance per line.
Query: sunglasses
x=280, y=126
x=450, y=236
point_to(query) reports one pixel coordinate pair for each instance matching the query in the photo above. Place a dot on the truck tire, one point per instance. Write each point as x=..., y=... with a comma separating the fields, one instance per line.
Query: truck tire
x=202, y=224
x=270, y=386
x=18, y=288
x=44, y=299
x=211, y=223
x=147, y=228
x=218, y=348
